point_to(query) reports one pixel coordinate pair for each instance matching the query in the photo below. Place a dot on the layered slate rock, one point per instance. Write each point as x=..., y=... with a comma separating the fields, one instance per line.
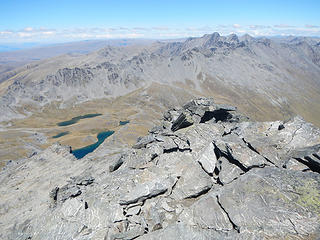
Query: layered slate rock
x=147, y=190
x=199, y=111
x=274, y=202
x=208, y=159
x=206, y=213
x=220, y=176
x=192, y=182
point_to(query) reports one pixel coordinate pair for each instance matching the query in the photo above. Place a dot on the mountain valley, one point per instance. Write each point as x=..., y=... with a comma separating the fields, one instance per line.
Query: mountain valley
x=267, y=79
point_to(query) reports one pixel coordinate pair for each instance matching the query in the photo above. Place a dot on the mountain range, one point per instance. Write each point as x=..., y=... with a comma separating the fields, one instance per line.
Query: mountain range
x=265, y=78
x=215, y=137
x=136, y=80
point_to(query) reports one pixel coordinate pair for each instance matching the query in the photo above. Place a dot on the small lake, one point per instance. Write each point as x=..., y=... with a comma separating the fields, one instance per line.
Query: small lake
x=76, y=119
x=121, y=123
x=60, y=134
x=81, y=152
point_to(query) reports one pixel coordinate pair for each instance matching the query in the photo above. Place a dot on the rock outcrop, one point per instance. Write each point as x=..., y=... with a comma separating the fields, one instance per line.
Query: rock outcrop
x=206, y=172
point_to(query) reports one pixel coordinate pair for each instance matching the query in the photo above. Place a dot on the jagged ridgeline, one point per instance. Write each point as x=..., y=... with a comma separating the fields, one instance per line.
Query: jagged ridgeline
x=206, y=172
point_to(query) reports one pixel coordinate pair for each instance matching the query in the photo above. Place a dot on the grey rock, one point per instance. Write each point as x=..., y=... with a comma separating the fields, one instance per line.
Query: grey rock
x=171, y=115
x=184, y=120
x=237, y=151
x=71, y=208
x=208, y=159
x=147, y=190
x=157, y=130
x=312, y=161
x=304, y=152
x=226, y=107
x=203, y=110
x=167, y=143
x=128, y=235
x=193, y=182
x=201, y=134
x=61, y=149
x=21, y=231
x=83, y=180
x=293, y=164
x=141, y=158
x=228, y=171
x=68, y=191
x=296, y=139
x=118, y=215
x=155, y=149
x=182, y=143
x=133, y=210
x=266, y=208
x=116, y=163
x=215, y=179
x=54, y=193
x=142, y=142
x=206, y=213
x=182, y=231
x=154, y=216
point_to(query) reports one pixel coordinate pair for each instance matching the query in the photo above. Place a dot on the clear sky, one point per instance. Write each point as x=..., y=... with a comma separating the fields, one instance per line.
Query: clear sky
x=61, y=20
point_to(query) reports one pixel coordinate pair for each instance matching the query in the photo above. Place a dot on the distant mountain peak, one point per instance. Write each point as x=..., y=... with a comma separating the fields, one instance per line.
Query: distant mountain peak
x=247, y=37
x=212, y=38
x=214, y=35
x=232, y=38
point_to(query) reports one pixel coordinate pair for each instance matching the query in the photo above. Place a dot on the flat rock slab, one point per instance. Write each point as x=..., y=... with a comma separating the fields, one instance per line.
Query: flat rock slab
x=228, y=171
x=208, y=159
x=276, y=203
x=206, y=213
x=147, y=190
x=193, y=182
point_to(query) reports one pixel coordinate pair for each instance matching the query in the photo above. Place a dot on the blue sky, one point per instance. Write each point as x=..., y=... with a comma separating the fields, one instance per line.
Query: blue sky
x=63, y=20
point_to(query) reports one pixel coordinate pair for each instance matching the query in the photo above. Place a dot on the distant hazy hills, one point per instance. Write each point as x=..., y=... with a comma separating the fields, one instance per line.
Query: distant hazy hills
x=4, y=48
x=267, y=79
x=12, y=56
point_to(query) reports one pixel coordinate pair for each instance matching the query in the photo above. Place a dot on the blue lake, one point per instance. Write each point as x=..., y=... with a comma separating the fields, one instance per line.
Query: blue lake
x=81, y=152
x=76, y=119
x=60, y=134
x=121, y=123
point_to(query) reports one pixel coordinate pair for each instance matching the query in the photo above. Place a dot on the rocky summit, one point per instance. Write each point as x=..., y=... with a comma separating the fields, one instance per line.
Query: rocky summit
x=206, y=172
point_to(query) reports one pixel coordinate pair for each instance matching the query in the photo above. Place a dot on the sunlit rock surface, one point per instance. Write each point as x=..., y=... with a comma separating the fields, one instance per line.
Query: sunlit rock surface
x=212, y=175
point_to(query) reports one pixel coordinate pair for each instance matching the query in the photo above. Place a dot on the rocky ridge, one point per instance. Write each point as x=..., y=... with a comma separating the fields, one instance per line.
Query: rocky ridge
x=207, y=172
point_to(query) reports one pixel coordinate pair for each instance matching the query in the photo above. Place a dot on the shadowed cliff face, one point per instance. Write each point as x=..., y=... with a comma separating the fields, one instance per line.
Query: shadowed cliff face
x=204, y=172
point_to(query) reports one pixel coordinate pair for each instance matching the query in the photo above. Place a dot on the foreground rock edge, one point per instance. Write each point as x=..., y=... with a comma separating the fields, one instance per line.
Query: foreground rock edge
x=206, y=172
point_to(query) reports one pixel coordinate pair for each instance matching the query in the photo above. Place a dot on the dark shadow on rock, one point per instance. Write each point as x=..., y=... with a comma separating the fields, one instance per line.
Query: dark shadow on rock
x=218, y=115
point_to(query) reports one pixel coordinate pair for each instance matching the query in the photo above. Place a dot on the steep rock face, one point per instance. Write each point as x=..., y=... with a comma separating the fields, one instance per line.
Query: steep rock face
x=221, y=176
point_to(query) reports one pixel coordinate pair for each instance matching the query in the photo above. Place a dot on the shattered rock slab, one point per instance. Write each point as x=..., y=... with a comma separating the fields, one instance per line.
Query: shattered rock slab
x=272, y=202
x=202, y=110
x=147, y=190
x=221, y=177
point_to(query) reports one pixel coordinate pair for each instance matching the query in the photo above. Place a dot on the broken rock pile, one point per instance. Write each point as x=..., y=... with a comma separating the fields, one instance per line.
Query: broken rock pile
x=206, y=172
